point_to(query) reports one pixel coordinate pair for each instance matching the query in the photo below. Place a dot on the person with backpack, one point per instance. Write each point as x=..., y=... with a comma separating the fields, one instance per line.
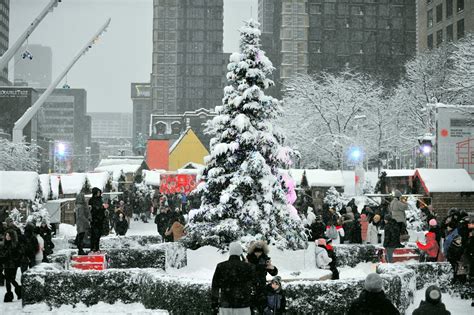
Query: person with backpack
x=335, y=232
x=454, y=253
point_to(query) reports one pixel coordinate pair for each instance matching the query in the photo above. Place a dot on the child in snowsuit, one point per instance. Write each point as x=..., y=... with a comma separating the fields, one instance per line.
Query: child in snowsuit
x=322, y=258
x=275, y=298
x=431, y=248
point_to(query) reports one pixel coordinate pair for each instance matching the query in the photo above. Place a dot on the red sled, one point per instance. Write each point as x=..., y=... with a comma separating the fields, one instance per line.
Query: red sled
x=89, y=259
x=401, y=254
x=89, y=266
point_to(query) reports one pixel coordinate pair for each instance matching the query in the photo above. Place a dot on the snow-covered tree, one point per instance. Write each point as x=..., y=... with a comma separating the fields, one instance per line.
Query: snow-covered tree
x=321, y=115
x=18, y=156
x=333, y=198
x=462, y=72
x=16, y=216
x=243, y=196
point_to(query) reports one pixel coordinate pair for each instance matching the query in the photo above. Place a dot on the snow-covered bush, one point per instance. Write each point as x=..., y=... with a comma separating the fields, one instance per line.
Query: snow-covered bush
x=243, y=197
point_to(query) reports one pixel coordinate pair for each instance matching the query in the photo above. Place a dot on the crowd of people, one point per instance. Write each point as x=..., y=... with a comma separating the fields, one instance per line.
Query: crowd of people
x=21, y=248
x=239, y=287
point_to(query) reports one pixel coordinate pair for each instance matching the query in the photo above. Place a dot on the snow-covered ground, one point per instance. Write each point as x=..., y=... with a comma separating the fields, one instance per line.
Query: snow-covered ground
x=201, y=265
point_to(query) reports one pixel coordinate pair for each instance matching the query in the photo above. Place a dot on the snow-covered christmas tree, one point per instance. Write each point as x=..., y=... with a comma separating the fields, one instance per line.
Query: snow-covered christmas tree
x=333, y=198
x=242, y=193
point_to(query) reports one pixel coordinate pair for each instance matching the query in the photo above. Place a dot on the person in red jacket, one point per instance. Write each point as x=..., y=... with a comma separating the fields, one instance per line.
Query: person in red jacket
x=431, y=248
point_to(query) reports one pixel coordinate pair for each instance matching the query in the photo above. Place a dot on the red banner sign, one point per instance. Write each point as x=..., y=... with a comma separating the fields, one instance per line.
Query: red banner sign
x=177, y=183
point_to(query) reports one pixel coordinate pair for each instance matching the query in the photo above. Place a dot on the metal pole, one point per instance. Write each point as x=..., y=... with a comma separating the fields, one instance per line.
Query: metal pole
x=8, y=55
x=30, y=112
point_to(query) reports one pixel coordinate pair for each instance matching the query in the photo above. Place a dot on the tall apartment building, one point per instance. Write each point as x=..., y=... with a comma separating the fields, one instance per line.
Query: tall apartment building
x=187, y=55
x=113, y=132
x=374, y=37
x=141, y=100
x=63, y=119
x=4, y=29
x=37, y=72
x=443, y=20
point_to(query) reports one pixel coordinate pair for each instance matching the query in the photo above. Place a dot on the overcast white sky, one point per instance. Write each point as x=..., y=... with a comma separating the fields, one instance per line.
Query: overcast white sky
x=122, y=56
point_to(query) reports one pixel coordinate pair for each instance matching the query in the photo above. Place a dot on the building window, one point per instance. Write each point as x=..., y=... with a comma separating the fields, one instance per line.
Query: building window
x=439, y=13
x=439, y=38
x=460, y=26
x=430, y=18
x=449, y=33
x=449, y=8
x=430, y=41
x=460, y=6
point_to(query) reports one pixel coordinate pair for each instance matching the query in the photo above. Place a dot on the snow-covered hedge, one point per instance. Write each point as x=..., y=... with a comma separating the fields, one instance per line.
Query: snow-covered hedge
x=353, y=254
x=129, y=241
x=161, y=256
x=440, y=274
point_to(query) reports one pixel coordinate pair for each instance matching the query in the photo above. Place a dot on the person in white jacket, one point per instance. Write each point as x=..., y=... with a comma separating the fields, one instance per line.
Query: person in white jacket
x=373, y=230
x=39, y=253
x=322, y=258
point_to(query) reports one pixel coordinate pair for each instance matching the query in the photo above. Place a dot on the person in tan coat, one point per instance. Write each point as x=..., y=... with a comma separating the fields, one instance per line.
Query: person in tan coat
x=176, y=230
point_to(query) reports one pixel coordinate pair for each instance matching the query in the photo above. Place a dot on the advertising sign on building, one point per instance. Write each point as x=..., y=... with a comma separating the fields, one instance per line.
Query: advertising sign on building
x=177, y=183
x=455, y=137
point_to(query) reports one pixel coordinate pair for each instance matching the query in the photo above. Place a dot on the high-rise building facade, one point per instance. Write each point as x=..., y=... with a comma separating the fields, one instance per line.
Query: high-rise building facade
x=63, y=118
x=37, y=72
x=111, y=125
x=187, y=55
x=374, y=37
x=141, y=99
x=439, y=21
x=4, y=29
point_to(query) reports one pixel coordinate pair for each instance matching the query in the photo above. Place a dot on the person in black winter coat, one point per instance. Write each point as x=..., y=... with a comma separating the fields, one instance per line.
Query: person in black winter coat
x=391, y=236
x=432, y=305
x=121, y=225
x=30, y=245
x=372, y=300
x=45, y=233
x=232, y=282
x=258, y=258
x=98, y=218
x=276, y=301
x=162, y=221
x=10, y=258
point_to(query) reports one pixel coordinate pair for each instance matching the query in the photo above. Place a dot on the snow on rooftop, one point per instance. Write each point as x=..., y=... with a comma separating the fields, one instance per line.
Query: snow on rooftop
x=152, y=178
x=72, y=183
x=399, y=173
x=445, y=180
x=45, y=185
x=126, y=160
x=98, y=179
x=116, y=169
x=317, y=177
x=18, y=185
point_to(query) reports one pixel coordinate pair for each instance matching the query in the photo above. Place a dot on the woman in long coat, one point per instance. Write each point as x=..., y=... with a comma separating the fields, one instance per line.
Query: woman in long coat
x=83, y=218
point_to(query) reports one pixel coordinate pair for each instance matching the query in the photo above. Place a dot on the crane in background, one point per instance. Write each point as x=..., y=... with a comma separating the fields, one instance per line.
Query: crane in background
x=8, y=55
x=30, y=112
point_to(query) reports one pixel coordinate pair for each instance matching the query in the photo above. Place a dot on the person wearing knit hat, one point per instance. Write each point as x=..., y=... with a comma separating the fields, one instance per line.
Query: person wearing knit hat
x=372, y=299
x=231, y=294
x=275, y=302
x=433, y=222
x=432, y=303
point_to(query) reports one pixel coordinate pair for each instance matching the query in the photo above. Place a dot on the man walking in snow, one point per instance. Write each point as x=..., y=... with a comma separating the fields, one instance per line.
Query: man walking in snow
x=232, y=284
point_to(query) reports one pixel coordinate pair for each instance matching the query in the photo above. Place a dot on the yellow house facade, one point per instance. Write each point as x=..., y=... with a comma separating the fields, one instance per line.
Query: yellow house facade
x=188, y=148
